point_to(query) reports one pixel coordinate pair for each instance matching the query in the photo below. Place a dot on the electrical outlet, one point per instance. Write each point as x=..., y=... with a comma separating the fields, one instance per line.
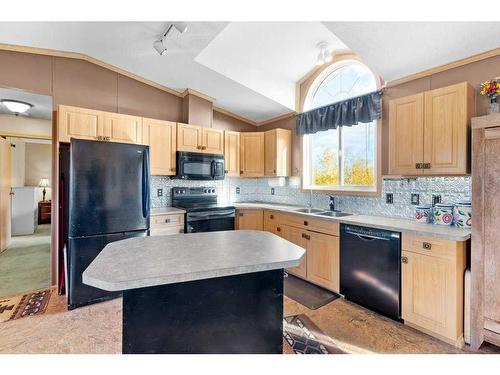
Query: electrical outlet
x=436, y=199
x=415, y=199
x=389, y=198
x=272, y=191
x=159, y=192
x=237, y=190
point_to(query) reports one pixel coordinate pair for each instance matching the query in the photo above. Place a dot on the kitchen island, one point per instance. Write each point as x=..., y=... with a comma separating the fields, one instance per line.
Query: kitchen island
x=214, y=292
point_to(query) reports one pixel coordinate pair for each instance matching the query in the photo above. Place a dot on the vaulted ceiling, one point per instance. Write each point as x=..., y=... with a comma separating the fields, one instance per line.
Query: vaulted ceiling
x=250, y=68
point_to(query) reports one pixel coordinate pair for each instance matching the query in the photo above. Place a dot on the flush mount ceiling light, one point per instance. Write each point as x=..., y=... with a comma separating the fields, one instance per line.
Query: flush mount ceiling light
x=16, y=106
x=173, y=27
x=324, y=55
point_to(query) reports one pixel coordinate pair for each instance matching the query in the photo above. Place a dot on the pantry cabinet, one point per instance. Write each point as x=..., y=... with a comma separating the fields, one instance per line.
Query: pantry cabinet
x=232, y=153
x=433, y=285
x=162, y=141
x=81, y=123
x=428, y=132
x=193, y=138
x=122, y=128
x=277, y=152
x=250, y=219
x=252, y=154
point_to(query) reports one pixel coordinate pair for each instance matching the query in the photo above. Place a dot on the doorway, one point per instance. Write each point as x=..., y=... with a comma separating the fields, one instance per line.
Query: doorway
x=25, y=193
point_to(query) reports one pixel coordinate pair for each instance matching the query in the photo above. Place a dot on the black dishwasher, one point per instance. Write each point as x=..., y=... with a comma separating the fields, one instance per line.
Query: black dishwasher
x=370, y=268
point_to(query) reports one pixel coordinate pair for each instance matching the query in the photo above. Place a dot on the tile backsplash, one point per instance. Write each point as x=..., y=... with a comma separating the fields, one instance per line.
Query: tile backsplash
x=451, y=189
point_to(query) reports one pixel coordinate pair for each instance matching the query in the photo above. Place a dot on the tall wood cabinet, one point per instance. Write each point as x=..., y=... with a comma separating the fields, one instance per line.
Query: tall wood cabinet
x=485, y=251
x=277, y=152
x=193, y=138
x=252, y=154
x=428, y=132
x=232, y=153
x=162, y=140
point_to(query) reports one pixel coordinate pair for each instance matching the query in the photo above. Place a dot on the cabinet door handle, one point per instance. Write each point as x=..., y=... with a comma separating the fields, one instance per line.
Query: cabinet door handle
x=404, y=260
x=278, y=229
x=418, y=165
x=427, y=165
x=167, y=220
x=271, y=217
x=241, y=172
x=99, y=138
x=306, y=223
x=240, y=214
x=426, y=245
x=172, y=169
x=226, y=171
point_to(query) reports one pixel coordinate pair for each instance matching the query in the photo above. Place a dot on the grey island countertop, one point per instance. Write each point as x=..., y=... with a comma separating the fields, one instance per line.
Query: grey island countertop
x=151, y=261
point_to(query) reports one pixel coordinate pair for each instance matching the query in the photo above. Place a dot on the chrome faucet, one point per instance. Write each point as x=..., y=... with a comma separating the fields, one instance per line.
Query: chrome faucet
x=332, y=203
x=310, y=198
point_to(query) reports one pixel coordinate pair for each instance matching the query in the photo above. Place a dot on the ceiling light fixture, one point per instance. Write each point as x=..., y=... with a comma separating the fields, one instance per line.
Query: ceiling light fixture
x=16, y=106
x=324, y=55
x=159, y=45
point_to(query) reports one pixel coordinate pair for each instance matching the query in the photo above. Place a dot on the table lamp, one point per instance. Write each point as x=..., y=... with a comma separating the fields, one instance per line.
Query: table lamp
x=44, y=182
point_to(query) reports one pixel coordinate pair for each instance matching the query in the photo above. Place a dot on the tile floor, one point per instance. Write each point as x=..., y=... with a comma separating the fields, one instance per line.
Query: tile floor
x=97, y=329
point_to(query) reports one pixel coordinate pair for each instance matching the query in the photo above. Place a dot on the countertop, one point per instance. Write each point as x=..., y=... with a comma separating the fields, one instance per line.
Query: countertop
x=166, y=211
x=396, y=224
x=149, y=261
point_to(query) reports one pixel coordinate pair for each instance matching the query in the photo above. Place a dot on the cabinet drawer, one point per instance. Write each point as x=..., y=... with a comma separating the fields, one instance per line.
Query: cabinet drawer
x=271, y=217
x=431, y=246
x=166, y=231
x=311, y=223
x=159, y=222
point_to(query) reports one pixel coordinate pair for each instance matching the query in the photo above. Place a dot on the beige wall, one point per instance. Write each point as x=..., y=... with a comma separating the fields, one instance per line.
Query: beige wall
x=22, y=125
x=38, y=165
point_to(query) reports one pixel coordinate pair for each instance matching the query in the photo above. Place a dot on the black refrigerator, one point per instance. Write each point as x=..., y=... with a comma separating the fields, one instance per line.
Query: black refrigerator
x=108, y=200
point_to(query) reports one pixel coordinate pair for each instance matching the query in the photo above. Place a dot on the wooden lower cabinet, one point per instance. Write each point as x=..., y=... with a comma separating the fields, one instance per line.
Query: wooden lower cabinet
x=298, y=237
x=432, y=287
x=167, y=224
x=323, y=260
x=250, y=219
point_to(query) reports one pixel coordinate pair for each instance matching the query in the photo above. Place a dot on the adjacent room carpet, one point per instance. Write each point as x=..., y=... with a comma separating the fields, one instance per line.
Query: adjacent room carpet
x=307, y=294
x=16, y=307
x=25, y=264
x=302, y=336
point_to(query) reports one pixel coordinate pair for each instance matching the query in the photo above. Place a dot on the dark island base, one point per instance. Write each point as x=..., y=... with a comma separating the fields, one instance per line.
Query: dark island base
x=232, y=314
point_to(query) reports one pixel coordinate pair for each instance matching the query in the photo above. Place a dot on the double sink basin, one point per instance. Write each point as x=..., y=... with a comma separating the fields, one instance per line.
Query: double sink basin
x=316, y=211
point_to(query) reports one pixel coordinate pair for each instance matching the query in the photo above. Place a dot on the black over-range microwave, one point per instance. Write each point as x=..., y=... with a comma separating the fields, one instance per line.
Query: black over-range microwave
x=198, y=166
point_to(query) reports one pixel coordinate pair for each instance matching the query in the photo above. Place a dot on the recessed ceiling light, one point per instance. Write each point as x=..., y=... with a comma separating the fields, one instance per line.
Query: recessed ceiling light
x=16, y=106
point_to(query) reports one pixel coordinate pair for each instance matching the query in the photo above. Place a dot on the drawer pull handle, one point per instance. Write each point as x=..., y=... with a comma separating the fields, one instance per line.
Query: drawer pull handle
x=306, y=236
x=271, y=216
x=306, y=222
x=404, y=260
x=240, y=214
x=278, y=229
x=167, y=220
x=426, y=245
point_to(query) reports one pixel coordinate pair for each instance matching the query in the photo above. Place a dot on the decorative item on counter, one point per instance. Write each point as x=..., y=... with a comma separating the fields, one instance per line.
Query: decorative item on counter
x=462, y=214
x=491, y=89
x=443, y=214
x=423, y=214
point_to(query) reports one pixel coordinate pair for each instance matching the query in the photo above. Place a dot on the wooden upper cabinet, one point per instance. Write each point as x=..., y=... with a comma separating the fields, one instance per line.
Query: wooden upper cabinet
x=406, y=135
x=122, y=128
x=82, y=123
x=212, y=141
x=232, y=153
x=447, y=122
x=162, y=140
x=188, y=138
x=252, y=154
x=277, y=152
x=323, y=260
x=428, y=132
x=193, y=138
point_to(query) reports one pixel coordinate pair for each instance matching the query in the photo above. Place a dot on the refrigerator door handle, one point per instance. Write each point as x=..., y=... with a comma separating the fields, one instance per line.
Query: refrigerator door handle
x=145, y=183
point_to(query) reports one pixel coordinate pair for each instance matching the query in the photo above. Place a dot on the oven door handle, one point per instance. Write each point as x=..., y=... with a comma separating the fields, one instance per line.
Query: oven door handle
x=211, y=214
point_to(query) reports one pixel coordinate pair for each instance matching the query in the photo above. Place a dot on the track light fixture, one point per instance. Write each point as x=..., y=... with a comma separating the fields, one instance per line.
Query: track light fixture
x=159, y=45
x=324, y=56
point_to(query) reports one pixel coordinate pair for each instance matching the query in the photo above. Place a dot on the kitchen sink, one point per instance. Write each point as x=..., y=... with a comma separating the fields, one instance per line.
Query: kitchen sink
x=334, y=214
x=309, y=210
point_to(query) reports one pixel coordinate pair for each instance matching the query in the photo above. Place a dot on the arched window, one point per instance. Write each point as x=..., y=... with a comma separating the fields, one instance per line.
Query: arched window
x=343, y=159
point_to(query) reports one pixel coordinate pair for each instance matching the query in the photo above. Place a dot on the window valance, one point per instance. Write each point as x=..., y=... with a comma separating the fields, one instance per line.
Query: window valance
x=365, y=108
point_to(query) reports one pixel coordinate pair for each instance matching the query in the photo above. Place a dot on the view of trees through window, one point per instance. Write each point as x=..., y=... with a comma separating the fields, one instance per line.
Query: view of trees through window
x=344, y=156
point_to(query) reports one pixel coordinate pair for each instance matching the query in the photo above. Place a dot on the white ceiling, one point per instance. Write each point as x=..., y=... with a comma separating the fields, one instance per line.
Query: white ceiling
x=268, y=57
x=42, y=104
x=250, y=68
x=398, y=49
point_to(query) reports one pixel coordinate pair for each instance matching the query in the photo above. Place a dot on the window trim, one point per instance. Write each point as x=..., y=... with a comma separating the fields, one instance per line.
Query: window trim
x=358, y=190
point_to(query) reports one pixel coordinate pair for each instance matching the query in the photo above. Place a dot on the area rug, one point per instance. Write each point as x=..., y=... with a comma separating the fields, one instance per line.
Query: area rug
x=302, y=336
x=307, y=294
x=23, y=305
